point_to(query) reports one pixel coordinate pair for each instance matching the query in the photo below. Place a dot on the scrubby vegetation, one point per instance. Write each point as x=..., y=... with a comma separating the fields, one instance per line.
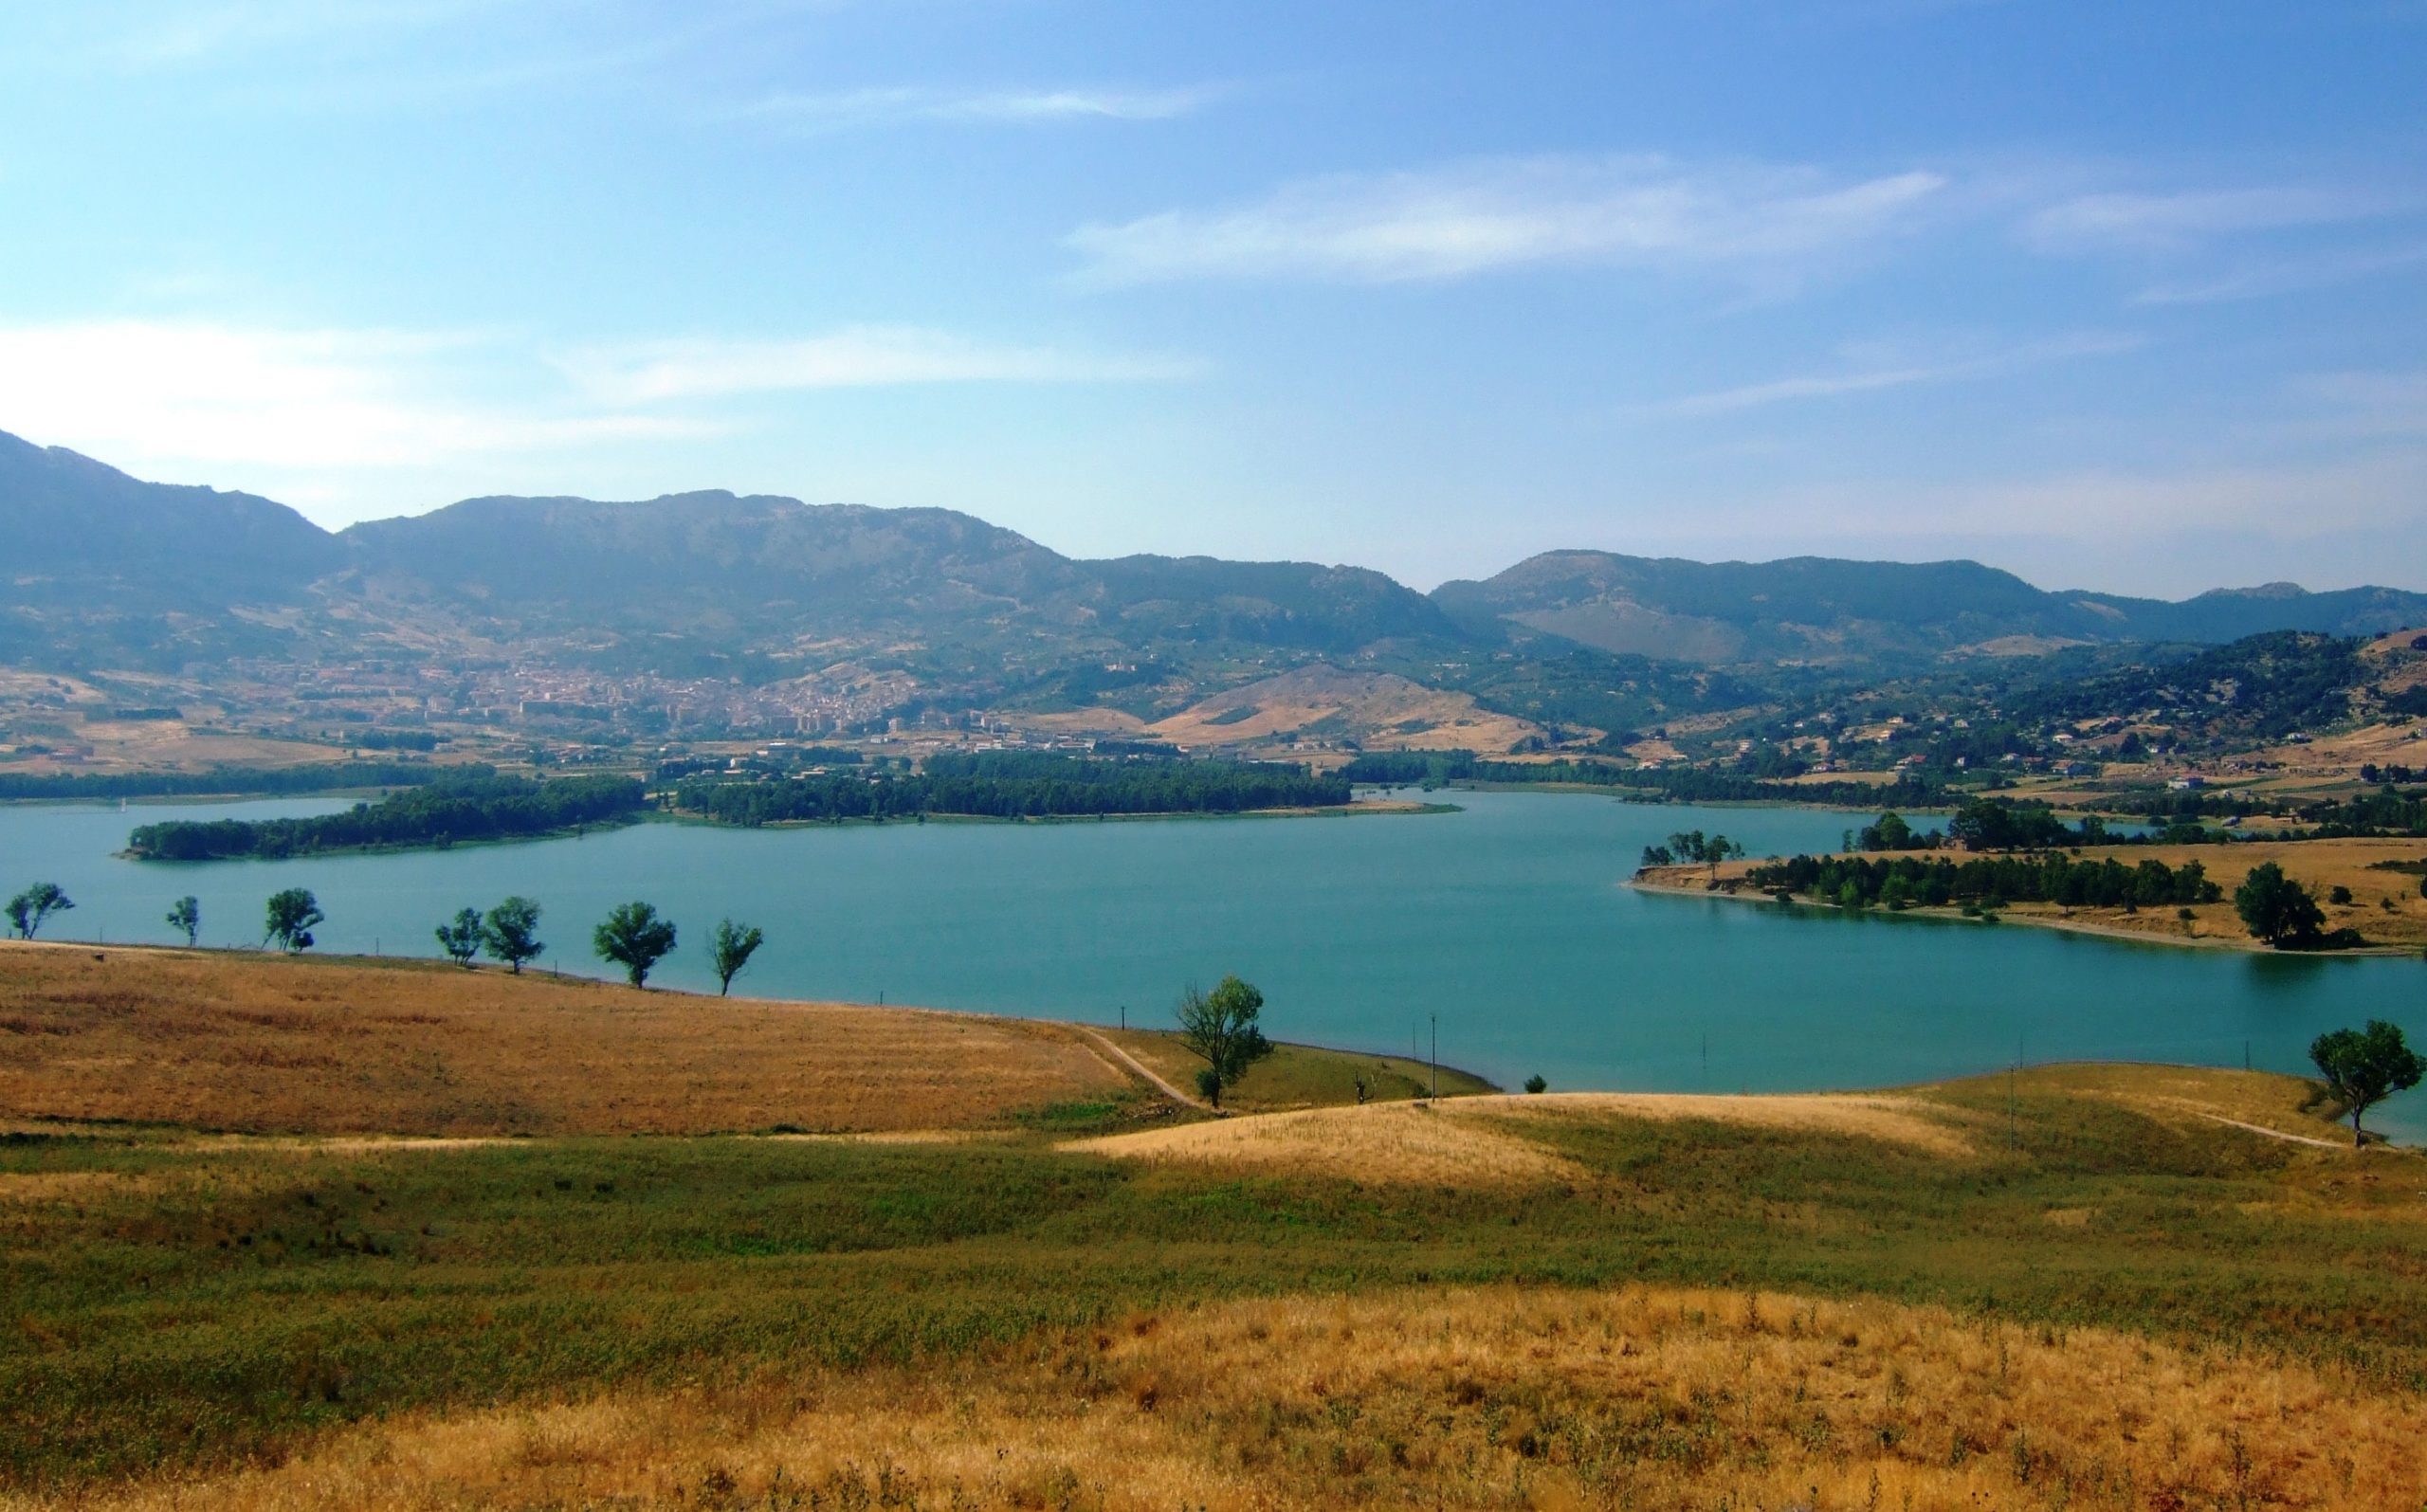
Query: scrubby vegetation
x=1661, y=784
x=2260, y=687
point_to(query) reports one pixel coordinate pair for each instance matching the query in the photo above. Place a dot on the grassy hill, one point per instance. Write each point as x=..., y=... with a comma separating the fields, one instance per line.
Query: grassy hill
x=2084, y=1286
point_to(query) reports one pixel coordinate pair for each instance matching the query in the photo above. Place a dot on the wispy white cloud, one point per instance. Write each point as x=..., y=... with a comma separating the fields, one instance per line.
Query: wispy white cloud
x=2281, y=500
x=371, y=399
x=146, y=36
x=2269, y=277
x=1767, y=223
x=858, y=357
x=2171, y=222
x=316, y=55
x=325, y=398
x=855, y=109
x=2357, y=406
x=1872, y=377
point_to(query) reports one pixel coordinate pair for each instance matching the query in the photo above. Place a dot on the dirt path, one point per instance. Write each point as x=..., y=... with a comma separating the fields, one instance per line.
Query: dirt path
x=1132, y=1063
x=2276, y=1134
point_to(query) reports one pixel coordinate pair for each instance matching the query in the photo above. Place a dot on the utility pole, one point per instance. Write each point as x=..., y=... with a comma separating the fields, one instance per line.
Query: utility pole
x=1436, y=1057
x=2014, y=1114
x=1124, y=1016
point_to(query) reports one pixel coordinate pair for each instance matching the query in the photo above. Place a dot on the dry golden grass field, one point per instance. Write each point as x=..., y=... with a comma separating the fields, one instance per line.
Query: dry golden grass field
x=2321, y=864
x=1643, y=1396
x=260, y=1044
x=478, y=1250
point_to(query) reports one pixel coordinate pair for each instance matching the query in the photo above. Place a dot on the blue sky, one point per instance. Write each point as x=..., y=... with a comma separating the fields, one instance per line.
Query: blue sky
x=2119, y=295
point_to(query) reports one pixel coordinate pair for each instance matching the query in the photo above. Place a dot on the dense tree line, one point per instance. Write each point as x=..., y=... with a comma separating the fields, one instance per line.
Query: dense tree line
x=1014, y=785
x=484, y=806
x=1671, y=784
x=249, y=782
x=2385, y=811
x=1857, y=881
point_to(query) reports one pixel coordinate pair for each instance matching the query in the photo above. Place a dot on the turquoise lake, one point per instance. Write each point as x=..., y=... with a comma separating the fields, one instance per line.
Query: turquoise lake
x=1507, y=920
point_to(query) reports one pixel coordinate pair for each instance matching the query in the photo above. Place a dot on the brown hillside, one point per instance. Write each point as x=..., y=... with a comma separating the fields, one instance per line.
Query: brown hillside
x=264, y=1044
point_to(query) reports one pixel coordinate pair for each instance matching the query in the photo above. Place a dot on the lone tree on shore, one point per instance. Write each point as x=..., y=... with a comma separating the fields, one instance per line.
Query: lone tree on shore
x=636, y=938
x=511, y=933
x=733, y=946
x=1220, y=1028
x=460, y=937
x=291, y=913
x=186, y=914
x=2364, y=1066
x=2277, y=909
x=28, y=910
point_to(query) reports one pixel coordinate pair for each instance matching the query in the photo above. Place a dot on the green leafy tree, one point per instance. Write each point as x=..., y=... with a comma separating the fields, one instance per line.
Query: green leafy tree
x=186, y=915
x=291, y=913
x=731, y=948
x=511, y=933
x=1890, y=833
x=2364, y=1066
x=1718, y=849
x=460, y=937
x=1535, y=1084
x=1220, y=1028
x=2277, y=909
x=28, y=910
x=636, y=938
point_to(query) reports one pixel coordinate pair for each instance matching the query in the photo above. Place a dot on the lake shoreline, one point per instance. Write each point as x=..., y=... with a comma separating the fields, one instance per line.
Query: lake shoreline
x=1502, y=916
x=2061, y=925
x=685, y=817
x=1344, y=810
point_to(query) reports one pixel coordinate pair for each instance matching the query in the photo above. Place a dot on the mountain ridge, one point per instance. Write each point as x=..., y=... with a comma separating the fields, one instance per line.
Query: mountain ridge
x=773, y=573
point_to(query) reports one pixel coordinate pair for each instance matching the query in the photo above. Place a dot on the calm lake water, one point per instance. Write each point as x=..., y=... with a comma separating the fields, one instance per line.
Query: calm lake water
x=1507, y=920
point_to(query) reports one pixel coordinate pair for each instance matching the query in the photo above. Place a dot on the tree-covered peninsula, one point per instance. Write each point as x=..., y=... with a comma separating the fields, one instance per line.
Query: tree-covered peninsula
x=479, y=805
x=1013, y=785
